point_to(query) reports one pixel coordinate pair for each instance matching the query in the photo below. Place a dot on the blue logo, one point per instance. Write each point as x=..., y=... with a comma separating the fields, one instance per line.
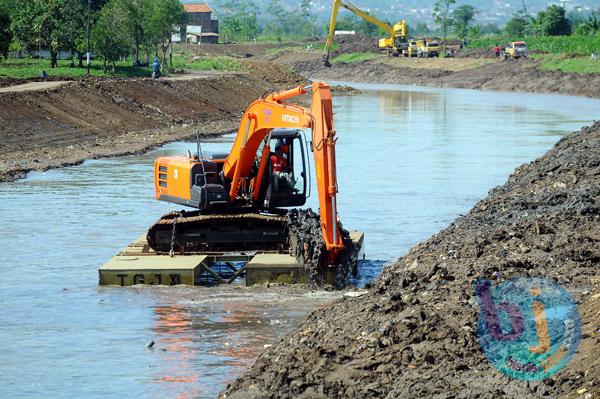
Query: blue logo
x=528, y=328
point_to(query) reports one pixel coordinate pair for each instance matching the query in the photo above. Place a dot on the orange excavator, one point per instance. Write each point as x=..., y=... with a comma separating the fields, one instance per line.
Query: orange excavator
x=239, y=196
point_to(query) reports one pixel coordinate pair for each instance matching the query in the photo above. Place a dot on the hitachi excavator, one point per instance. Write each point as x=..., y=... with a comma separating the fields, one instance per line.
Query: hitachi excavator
x=396, y=44
x=239, y=196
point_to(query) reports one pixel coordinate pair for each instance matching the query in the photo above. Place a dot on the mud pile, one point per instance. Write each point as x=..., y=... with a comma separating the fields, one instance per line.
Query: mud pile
x=310, y=249
x=414, y=333
x=347, y=44
x=476, y=53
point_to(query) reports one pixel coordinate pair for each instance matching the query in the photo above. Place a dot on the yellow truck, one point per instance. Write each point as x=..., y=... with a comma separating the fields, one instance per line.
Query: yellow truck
x=412, y=50
x=515, y=50
x=428, y=49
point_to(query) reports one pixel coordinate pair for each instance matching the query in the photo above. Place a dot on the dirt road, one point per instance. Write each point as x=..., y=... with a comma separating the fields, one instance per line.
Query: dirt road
x=32, y=86
x=414, y=335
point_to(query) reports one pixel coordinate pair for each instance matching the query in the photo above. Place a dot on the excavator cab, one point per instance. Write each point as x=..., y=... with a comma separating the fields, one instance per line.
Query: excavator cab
x=287, y=178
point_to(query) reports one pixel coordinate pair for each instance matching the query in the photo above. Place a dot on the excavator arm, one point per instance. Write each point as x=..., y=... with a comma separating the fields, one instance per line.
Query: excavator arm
x=352, y=8
x=268, y=113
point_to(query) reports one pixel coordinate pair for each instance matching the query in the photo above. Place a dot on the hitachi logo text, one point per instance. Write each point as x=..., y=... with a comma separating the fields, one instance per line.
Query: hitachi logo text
x=290, y=118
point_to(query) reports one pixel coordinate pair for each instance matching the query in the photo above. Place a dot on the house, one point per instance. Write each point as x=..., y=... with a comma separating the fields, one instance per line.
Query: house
x=200, y=28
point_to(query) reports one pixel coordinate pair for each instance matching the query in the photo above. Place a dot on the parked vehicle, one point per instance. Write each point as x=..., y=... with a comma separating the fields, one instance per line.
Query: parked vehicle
x=515, y=50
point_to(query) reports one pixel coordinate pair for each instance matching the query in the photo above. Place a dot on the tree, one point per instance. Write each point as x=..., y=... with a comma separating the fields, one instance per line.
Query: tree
x=111, y=38
x=422, y=29
x=552, y=22
x=441, y=15
x=517, y=26
x=462, y=18
x=165, y=17
x=239, y=22
x=589, y=27
x=134, y=14
x=54, y=24
x=5, y=33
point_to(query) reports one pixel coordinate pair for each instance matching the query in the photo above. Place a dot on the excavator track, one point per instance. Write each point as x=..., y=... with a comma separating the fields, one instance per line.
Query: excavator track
x=192, y=232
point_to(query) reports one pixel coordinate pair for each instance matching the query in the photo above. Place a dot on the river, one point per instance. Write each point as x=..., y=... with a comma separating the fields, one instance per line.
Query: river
x=410, y=160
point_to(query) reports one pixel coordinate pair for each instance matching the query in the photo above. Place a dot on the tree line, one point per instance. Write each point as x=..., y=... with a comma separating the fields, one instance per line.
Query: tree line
x=118, y=28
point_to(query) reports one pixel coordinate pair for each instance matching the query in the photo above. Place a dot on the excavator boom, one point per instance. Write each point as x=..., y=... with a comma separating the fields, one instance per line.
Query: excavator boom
x=264, y=115
x=399, y=29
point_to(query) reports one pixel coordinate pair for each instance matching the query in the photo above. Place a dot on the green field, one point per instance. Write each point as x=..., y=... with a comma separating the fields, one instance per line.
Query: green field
x=574, y=45
x=354, y=57
x=560, y=62
x=185, y=60
x=31, y=68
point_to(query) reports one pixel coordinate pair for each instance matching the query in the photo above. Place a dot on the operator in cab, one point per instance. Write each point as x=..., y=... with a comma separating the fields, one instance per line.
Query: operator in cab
x=279, y=166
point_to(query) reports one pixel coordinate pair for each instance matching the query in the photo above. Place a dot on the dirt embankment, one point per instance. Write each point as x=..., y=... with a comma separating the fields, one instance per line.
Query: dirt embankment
x=523, y=76
x=413, y=335
x=105, y=117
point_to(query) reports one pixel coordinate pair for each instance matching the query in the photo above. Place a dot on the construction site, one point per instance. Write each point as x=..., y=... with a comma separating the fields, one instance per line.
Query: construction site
x=335, y=217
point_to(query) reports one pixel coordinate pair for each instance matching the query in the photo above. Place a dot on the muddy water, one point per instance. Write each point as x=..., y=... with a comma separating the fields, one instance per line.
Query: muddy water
x=410, y=160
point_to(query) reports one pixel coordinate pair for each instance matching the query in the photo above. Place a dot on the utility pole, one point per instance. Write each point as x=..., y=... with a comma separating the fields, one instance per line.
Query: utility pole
x=89, y=35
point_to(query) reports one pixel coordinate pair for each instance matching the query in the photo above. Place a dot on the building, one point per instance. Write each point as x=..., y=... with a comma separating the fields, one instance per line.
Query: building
x=201, y=28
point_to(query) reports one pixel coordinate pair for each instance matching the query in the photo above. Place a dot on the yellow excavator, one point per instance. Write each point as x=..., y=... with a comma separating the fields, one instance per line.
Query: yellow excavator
x=396, y=44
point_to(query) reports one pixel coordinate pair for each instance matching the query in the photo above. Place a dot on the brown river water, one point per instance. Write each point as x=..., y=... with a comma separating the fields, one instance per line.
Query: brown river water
x=409, y=161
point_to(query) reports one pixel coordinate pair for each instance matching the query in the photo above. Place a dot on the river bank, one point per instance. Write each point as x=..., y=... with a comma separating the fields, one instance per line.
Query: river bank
x=93, y=118
x=472, y=69
x=463, y=73
x=414, y=333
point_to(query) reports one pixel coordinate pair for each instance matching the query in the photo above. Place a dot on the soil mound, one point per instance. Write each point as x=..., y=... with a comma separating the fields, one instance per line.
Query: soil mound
x=355, y=44
x=476, y=53
x=414, y=333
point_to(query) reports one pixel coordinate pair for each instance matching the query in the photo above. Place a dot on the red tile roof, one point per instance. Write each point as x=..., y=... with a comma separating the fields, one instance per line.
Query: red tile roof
x=197, y=8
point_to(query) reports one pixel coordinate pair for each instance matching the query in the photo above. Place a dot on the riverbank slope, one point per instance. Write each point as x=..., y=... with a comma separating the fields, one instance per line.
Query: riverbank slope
x=414, y=333
x=90, y=118
x=355, y=59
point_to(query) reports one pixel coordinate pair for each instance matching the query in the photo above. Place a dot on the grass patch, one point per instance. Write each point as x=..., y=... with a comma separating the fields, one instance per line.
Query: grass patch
x=575, y=45
x=354, y=57
x=31, y=68
x=557, y=62
x=220, y=63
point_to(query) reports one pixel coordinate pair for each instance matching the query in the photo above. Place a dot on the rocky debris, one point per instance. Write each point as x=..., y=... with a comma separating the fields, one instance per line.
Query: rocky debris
x=305, y=226
x=414, y=333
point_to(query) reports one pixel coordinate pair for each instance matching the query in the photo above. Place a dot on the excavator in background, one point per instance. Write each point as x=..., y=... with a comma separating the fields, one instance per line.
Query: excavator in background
x=396, y=44
x=239, y=196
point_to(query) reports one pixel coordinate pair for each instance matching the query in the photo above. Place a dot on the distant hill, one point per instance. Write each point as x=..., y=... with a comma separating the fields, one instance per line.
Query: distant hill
x=497, y=11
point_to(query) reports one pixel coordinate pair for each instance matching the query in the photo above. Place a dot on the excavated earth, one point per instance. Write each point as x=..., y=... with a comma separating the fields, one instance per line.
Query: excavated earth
x=94, y=118
x=414, y=333
x=520, y=75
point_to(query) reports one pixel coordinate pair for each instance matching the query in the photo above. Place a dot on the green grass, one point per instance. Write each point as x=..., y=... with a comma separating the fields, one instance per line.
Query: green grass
x=557, y=62
x=31, y=68
x=187, y=61
x=574, y=45
x=354, y=57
